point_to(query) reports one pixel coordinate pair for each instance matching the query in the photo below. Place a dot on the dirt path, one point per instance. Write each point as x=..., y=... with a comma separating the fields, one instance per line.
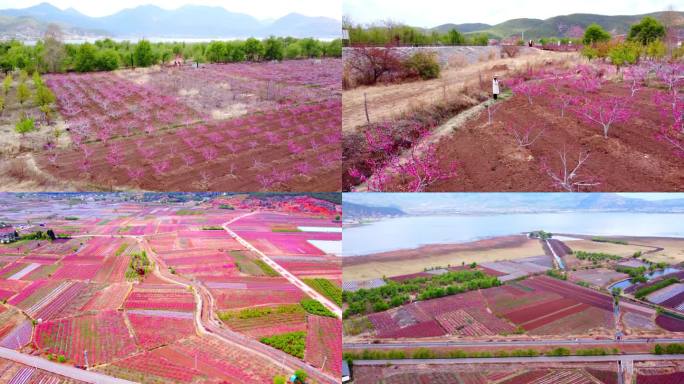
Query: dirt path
x=388, y=101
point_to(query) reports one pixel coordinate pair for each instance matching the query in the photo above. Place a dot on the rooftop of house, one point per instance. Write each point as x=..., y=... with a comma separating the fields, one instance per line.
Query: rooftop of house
x=6, y=230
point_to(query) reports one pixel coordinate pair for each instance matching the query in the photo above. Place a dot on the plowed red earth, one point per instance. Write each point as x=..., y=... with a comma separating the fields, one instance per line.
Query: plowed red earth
x=631, y=159
x=238, y=171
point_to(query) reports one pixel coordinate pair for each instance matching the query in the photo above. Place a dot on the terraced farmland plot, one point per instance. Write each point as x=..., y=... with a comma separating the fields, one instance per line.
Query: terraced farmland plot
x=111, y=297
x=666, y=293
x=671, y=378
x=215, y=364
x=328, y=268
x=161, y=143
x=283, y=319
x=15, y=373
x=460, y=322
x=165, y=297
x=9, y=288
x=324, y=343
x=113, y=269
x=104, y=335
x=584, y=295
x=234, y=298
x=156, y=329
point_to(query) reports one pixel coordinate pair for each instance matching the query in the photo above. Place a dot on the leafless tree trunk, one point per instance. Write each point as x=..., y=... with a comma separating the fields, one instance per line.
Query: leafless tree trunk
x=54, y=52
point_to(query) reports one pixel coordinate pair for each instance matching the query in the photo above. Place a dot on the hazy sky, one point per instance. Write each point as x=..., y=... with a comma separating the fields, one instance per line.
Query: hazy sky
x=431, y=13
x=512, y=200
x=654, y=196
x=261, y=9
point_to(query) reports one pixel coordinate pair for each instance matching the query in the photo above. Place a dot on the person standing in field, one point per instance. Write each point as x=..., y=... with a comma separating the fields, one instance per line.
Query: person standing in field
x=495, y=87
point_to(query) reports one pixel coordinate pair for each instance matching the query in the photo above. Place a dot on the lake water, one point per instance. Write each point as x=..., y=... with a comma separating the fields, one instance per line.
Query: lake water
x=414, y=231
x=92, y=39
x=649, y=276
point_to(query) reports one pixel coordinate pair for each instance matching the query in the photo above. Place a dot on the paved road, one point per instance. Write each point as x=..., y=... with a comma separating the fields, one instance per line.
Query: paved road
x=59, y=369
x=436, y=344
x=559, y=262
x=286, y=274
x=540, y=359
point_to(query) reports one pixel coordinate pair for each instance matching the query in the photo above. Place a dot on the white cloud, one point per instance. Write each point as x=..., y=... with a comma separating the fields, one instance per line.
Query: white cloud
x=262, y=9
x=430, y=13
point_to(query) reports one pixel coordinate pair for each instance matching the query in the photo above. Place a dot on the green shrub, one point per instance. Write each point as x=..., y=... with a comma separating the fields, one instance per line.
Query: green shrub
x=595, y=34
x=44, y=96
x=23, y=93
x=7, y=83
x=423, y=64
x=643, y=292
x=595, y=256
x=266, y=268
x=326, y=288
x=24, y=126
x=292, y=343
x=423, y=353
x=107, y=60
x=646, y=31
x=314, y=307
x=143, y=56
x=624, y=54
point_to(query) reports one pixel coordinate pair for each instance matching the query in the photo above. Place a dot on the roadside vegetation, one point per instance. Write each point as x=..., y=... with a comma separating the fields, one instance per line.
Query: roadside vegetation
x=314, y=307
x=266, y=268
x=326, y=288
x=423, y=353
x=669, y=349
x=556, y=274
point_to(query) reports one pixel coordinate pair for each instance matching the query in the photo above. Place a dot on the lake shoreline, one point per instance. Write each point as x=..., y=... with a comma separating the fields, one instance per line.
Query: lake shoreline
x=412, y=233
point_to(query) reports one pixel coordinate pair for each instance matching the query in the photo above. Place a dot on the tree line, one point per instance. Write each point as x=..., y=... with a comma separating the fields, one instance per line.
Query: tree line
x=390, y=33
x=51, y=54
x=397, y=293
x=648, y=38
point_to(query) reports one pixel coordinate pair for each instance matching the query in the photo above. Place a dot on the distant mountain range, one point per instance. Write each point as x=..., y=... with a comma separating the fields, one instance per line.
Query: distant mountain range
x=357, y=211
x=193, y=21
x=469, y=203
x=558, y=26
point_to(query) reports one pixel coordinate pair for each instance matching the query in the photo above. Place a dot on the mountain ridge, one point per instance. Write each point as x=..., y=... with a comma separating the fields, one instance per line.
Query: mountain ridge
x=197, y=21
x=510, y=203
x=557, y=26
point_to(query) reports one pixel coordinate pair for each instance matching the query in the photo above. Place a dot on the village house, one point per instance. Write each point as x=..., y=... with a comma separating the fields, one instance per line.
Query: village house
x=7, y=234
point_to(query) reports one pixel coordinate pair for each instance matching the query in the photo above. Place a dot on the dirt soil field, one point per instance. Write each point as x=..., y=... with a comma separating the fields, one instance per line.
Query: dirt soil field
x=388, y=101
x=415, y=260
x=613, y=249
x=630, y=159
x=672, y=253
x=599, y=277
